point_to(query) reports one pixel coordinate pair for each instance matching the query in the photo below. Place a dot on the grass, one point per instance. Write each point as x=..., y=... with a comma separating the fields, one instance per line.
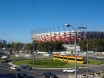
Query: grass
x=44, y=62
x=95, y=62
x=49, y=63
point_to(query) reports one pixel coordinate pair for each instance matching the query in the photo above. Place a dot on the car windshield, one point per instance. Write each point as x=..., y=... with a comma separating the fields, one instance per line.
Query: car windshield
x=24, y=74
x=51, y=74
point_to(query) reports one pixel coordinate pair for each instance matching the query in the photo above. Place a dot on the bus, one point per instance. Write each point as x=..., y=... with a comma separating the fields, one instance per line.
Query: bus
x=69, y=58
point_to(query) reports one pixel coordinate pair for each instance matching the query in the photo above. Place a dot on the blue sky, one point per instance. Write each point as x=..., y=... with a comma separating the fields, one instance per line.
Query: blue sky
x=18, y=17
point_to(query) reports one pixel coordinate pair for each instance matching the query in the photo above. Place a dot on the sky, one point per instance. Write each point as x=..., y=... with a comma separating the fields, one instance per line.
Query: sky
x=19, y=17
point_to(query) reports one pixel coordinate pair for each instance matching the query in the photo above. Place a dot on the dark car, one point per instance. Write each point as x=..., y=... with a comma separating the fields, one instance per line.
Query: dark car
x=7, y=76
x=18, y=68
x=49, y=75
x=22, y=75
x=26, y=67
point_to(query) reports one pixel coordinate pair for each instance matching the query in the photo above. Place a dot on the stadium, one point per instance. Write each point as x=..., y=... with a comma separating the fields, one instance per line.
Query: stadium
x=66, y=36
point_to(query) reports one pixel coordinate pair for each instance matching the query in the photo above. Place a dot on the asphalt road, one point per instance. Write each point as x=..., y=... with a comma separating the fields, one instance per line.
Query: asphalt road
x=37, y=73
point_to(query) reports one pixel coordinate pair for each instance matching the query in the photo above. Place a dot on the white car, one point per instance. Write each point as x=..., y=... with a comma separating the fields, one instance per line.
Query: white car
x=15, y=68
x=68, y=70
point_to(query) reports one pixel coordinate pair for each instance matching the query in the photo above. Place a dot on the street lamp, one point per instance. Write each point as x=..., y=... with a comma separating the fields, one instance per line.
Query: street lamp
x=87, y=46
x=94, y=48
x=16, y=73
x=87, y=56
x=33, y=51
x=19, y=50
x=82, y=27
x=67, y=25
x=13, y=54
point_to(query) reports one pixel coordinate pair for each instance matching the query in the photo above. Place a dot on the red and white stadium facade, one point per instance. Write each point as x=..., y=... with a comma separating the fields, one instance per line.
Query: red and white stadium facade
x=64, y=36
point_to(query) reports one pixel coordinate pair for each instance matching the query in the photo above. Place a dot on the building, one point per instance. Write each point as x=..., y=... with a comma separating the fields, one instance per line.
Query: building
x=4, y=42
x=0, y=40
x=67, y=37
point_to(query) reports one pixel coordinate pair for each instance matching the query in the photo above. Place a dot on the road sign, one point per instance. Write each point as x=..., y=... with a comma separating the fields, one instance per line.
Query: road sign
x=77, y=48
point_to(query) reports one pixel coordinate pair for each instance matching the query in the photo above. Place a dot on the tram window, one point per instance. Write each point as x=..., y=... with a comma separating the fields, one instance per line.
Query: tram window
x=80, y=60
x=55, y=56
x=71, y=59
x=60, y=57
x=65, y=57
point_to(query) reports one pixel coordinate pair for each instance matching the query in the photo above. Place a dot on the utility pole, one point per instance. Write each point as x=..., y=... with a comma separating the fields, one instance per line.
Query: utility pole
x=19, y=51
x=87, y=56
x=33, y=52
x=67, y=25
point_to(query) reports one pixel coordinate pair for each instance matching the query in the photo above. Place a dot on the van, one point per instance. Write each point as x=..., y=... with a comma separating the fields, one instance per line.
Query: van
x=68, y=70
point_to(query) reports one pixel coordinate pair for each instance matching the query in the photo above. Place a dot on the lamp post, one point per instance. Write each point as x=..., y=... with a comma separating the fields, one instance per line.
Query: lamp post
x=16, y=73
x=13, y=54
x=69, y=35
x=33, y=51
x=87, y=56
x=67, y=25
x=93, y=50
x=82, y=27
x=87, y=46
x=19, y=50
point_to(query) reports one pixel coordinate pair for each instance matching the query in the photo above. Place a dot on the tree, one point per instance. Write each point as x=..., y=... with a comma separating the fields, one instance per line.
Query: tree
x=93, y=44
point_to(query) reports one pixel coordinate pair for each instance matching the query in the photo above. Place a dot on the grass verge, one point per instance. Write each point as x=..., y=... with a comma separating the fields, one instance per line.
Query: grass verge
x=45, y=63
x=50, y=63
x=95, y=62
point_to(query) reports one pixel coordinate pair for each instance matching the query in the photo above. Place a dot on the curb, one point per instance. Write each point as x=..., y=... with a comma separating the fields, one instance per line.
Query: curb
x=10, y=63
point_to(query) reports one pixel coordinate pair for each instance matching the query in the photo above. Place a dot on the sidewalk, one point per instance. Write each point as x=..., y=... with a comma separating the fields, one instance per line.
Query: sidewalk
x=80, y=76
x=10, y=63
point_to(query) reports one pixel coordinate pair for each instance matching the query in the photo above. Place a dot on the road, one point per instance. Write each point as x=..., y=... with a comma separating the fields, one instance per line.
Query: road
x=37, y=73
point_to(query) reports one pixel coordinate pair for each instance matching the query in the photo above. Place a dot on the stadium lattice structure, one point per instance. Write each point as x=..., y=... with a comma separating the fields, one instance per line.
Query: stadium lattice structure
x=66, y=36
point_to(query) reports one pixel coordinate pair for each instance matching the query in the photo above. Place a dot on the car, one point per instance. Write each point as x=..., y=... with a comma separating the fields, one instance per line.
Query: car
x=26, y=67
x=15, y=68
x=22, y=75
x=49, y=75
x=7, y=76
x=68, y=70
